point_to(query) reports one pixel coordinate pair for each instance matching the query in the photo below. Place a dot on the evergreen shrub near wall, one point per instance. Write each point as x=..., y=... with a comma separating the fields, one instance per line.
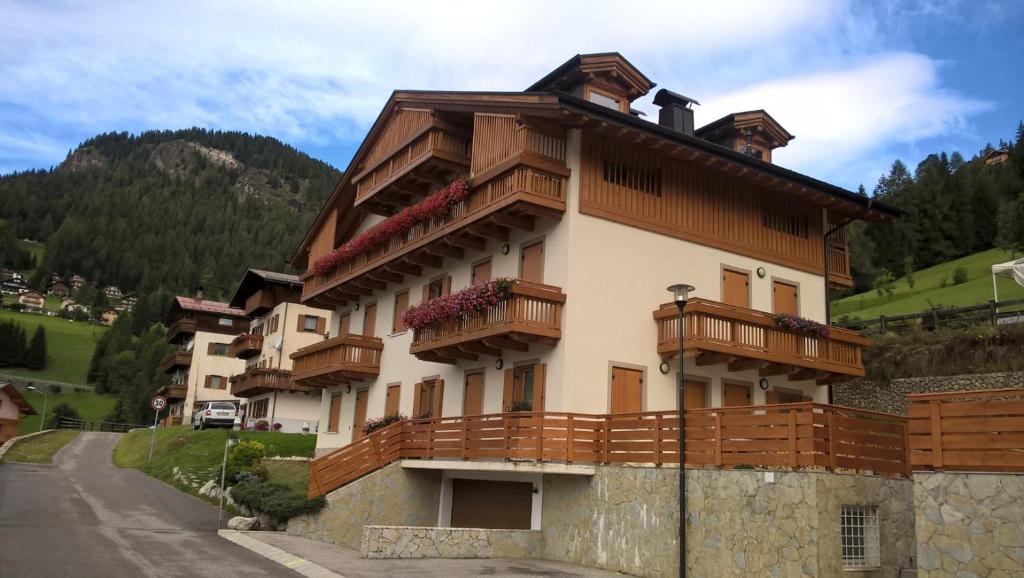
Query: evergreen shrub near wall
x=277, y=501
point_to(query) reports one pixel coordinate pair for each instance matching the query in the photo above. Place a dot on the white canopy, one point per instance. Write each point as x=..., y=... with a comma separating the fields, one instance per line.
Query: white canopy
x=1011, y=269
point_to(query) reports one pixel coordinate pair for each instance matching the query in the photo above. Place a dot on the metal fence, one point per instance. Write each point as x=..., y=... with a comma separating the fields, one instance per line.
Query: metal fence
x=994, y=312
x=104, y=426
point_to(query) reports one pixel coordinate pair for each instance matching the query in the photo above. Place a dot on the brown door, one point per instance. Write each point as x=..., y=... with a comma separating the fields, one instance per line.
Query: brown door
x=735, y=288
x=784, y=298
x=370, y=320
x=334, y=417
x=357, y=423
x=345, y=324
x=481, y=272
x=736, y=395
x=394, y=396
x=473, y=402
x=491, y=504
x=531, y=266
x=627, y=390
x=695, y=394
x=401, y=304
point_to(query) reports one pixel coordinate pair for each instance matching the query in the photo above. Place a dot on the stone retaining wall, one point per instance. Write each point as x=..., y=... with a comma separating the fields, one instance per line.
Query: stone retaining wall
x=892, y=397
x=969, y=525
x=413, y=542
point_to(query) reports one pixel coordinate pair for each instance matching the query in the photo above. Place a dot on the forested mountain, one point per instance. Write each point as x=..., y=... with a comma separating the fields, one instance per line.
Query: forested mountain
x=953, y=208
x=168, y=209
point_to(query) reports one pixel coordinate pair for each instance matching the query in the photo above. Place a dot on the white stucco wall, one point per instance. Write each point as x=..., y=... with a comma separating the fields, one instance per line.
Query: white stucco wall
x=7, y=408
x=204, y=364
x=291, y=409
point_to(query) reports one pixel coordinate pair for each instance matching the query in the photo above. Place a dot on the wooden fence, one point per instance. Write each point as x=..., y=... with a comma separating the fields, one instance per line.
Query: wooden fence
x=994, y=312
x=968, y=431
x=799, y=435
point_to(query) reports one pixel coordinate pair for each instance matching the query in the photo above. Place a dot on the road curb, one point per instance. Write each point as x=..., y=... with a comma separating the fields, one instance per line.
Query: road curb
x=10, y=443
x=286, y=559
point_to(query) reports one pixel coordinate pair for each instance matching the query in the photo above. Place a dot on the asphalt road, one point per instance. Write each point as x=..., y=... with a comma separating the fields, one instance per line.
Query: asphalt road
x=84, y=517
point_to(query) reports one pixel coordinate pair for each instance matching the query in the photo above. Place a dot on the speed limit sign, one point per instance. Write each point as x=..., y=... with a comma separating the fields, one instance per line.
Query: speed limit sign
x=159, y=402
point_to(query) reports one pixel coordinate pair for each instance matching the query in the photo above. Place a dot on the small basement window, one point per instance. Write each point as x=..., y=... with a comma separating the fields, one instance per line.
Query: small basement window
x=860, y=537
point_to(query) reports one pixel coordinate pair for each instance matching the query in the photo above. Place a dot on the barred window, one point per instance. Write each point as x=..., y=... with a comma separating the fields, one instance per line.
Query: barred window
x=784, y=222
x=860, y=537
x=625, y=175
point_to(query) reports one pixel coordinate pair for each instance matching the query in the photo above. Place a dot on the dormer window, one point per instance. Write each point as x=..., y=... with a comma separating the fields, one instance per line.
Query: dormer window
x=598, y=97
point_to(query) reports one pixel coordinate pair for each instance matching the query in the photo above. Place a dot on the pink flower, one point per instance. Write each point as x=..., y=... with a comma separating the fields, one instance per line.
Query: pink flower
x=458, y=305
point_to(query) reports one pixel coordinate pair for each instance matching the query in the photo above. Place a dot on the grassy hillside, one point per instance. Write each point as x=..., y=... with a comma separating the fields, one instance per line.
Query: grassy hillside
x=37, y=250
x=69, y=347
x=928, y=291
x=89, y=405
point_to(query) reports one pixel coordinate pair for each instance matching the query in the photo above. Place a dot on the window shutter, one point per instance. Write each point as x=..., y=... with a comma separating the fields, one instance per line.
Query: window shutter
x=426, y=292
x=416, y=411
x=438, y=398
x=506, y=398
x=206, y=383
x=302, y=323
x=446, y=285
x=321, y=325
x=539, y=379
x=211, y=349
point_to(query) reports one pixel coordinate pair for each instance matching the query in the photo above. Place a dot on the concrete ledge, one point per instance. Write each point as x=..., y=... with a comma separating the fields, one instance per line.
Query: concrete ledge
x=420, y=542
x=479, y=466
x=10, y=443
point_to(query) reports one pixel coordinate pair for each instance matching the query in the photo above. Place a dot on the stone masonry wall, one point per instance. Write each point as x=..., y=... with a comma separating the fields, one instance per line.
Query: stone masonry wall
x=391, y=496
x=409, y=542
x=892, y=397
x=970, y=525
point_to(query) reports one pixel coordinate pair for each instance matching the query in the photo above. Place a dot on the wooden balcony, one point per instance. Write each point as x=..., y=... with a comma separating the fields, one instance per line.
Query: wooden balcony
x=839, y=266
x=246, y=345
x=181, y=327
x=789, y=436
x=531, y=314
x=980, y=431
x=747, y=339
x=259, y=303
x=173, y=391
x=260, y=380
x=337, y=361
x=180, y=358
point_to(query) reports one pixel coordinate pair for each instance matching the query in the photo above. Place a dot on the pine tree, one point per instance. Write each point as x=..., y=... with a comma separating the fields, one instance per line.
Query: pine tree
x=35, y=355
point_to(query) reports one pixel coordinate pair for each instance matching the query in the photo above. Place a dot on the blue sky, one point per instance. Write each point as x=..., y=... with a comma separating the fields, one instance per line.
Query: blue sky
x=860, y=83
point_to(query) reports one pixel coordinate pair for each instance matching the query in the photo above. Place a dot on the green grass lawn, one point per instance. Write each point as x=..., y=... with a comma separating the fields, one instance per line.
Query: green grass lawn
x=36, y=249
x=40, y=449
x=929, y=293
x=90, y=406
x=295, y=475
x=69, y=347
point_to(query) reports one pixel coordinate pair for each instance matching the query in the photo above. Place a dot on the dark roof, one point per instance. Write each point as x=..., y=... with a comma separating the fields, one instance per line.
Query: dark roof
x=207, y=306
x=575, y=62
x=256, y=278
x=731, y=117
x=17, y=399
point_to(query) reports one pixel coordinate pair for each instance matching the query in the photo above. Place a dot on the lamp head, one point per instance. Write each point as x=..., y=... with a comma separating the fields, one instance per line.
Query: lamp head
x=680, y=292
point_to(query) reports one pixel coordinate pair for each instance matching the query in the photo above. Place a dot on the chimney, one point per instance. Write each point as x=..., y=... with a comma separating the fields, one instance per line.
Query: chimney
x=199, y=293
x=676, y=113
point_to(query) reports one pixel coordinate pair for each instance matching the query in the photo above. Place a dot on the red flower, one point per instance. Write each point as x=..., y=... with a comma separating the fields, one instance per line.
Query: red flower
x=459, y=304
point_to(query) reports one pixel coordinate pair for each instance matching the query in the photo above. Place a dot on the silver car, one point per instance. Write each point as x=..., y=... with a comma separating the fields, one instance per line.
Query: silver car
x=214, y=414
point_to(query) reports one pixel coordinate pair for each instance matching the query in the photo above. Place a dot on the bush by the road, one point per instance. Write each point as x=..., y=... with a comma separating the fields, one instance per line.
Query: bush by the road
x=277, y=501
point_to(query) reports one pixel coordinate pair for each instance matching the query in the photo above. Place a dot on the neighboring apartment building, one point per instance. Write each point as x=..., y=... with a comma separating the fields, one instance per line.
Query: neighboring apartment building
x=12, y=406
x=593, y=211
x=112, y=292
x=279, y=326
x=77, y=281
x=58, y=288
x=32, y=299
x=201, y=331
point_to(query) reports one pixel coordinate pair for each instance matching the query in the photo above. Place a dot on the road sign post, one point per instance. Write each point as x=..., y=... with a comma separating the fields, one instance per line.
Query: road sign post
x=158, y=403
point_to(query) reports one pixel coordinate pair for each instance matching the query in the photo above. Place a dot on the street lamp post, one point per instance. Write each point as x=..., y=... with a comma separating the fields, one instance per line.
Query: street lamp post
x=680, y=294
x=46, y=398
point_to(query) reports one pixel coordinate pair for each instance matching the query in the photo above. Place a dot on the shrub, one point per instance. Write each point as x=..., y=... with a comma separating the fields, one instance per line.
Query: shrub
x=959, y=276
x=262, y=425
x=54, y=388
x=243, y=458
x=277, y=426
x=277, y=501
x=521, y=405
x=62, y=410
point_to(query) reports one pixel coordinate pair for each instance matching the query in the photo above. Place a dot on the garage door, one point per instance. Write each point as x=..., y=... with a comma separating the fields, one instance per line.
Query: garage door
x=491, y=504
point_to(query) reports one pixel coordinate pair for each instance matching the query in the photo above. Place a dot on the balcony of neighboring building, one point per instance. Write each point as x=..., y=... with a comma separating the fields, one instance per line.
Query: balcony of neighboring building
x=180, y=358
x=180, y=328
x=246, y=345
x=746, y=339
x=518, y=173
x=336, y=361
x=173, y=391
x=259, y=380
x=532, y=313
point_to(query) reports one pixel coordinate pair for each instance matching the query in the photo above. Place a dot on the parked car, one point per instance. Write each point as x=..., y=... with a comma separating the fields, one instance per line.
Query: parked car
x=214, y=414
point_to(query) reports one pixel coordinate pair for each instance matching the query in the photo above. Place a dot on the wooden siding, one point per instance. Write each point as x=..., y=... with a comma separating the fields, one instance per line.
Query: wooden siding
x=260, y=380
x=794, y=436
x=246, y=345
x=338, y=360
x=405, y=123
x=687, y=200
x=324, y=241
x=435, y=142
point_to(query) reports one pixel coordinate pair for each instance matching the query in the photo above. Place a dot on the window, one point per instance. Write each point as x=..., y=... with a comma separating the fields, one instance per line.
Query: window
x=604, y=100
x=429, y=395
x=216, y=382
x=401, y=304
x=631, y=177
x=309, y=323
x=217, y=349
x=435, y=289
x=784, y=222
x=860, y=537
x=524, y=386
x=225, y=322
x=258, y=408
x=272, y=323
x=481, y=272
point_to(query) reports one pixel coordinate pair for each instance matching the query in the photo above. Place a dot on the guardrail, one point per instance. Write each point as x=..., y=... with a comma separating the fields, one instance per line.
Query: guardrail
x=994, y=312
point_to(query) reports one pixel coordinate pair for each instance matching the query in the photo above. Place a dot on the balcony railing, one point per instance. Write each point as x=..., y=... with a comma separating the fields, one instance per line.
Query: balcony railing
x=727, y=333
x=183, y=326
x=971, y=430
x=259, y=302
x=839, y=266
x=260, y=380
x=246, y=345
x=173, y=391
x=532, y=313
x=338, y=360
x=793, y=436
x=176, y=359
x=434, y=145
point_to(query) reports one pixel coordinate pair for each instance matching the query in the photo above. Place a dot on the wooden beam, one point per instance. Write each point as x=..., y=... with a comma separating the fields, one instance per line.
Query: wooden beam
x=493, y=232
x=774, y=369
x=802, y=374
x=358, y=290
x=425, y=259
x=468, y=241
x=403, y=266
x=499, y=342
x=457, y=353
x=446, y=250
x=478, y=347
x=745, y=364
x=521, y=223
x=435, y=357
x=385, y=275
x=369, y=283
x=833, y=378
x=709, y=358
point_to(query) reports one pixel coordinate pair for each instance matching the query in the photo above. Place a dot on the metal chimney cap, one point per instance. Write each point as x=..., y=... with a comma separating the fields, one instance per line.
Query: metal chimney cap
x=666, y=97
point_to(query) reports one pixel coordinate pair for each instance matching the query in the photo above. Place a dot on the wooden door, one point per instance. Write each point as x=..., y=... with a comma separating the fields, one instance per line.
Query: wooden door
x=334, y=415
x=627, y=390
x=481, y=272
x=345, y=324
x=360, y=418
x=785, y=298
x=531, y=266
x=695, y=394
x=473, y=400
x=735, y=288
x=491, y=504
x=736, y=395
x=370, y=320
x=401, y=304
x=394, y=396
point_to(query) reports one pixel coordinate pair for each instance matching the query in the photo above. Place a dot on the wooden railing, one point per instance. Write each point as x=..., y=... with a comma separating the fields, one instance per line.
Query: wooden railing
x=179, y=357
x=246, y=345
x=259, y=301
x=721, y=328
x=968, y=431
x=498, y=138
x=260, y=380
x=433, y=142
x=183, y=325
x=173, y=391
x=531, y=308
x=839, y=265
x=334, y=360
x=793, y=436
